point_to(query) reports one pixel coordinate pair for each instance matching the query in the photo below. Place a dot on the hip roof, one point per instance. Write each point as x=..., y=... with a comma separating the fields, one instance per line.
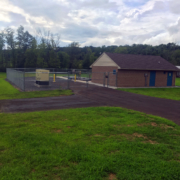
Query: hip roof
x=143, y=62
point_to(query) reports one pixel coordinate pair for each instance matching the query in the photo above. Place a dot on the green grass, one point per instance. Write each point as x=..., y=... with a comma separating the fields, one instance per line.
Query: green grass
x=7, y=91
x=2, y=75
x=88, y=144
x=177, y=81
x=82, y=75
x=167, y=93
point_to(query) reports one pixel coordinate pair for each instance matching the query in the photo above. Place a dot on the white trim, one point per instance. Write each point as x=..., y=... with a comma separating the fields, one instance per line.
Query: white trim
x=100, y=57
x=96, y=59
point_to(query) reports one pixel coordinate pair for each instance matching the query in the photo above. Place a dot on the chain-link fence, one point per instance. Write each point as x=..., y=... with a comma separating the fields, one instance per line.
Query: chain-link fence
x=26, y=79
x=54, y=81
x=104, y=78
x=16, y=77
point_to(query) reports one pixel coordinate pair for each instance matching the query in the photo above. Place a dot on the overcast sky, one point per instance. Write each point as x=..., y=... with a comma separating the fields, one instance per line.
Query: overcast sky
x=97, y=22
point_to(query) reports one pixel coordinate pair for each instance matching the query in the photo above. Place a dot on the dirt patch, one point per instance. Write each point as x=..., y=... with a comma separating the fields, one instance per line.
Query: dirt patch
x=129, y=125
x=136, y=135
x=148, y=124
x=164, y=126
x=116, y=126
x=132, y=136
x=127, y=136
x=98, y=135
x=139, y=135
x=56, y=168
x=150, y=141
x=153, y=124
x=56, y=177
x=112, y=177
x=33, y=171
x=113, y=152
x=1, y=164
x=3, y=150
x=57, y=130
x=75, y=163
x=123, y=125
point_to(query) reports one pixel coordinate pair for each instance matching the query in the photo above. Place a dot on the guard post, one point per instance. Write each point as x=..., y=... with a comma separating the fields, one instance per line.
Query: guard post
x=54, y=78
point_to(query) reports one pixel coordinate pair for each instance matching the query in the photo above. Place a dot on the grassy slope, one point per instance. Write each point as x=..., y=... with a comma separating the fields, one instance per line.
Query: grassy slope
x=2, y=75
x=89, y=143
x=7, y=91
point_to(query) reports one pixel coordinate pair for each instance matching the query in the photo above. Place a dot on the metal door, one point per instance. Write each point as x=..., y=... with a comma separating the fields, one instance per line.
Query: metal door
x=169, y=78
x=152, y=78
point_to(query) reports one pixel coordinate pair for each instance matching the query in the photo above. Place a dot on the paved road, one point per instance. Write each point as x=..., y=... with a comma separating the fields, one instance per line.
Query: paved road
x=98, y=96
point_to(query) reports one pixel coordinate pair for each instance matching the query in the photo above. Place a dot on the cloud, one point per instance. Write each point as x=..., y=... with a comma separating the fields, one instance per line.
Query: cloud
x=174, y=29
x=134, y=3
x=97, y=22
x=174, y=6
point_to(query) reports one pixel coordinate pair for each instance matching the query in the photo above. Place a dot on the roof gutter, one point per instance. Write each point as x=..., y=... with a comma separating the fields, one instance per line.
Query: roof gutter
x=151, y=69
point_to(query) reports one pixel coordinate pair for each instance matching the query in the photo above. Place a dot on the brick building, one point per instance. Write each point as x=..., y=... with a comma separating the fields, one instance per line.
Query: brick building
x=128, y=70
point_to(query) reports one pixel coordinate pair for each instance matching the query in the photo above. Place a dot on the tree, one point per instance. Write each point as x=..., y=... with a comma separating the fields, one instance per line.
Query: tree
x=31, y=55
x=122, y=50
x=54, y=62
x=176, y=57
x=73, y=50
x=64, y=59
x=2, y=45
x=11, y=44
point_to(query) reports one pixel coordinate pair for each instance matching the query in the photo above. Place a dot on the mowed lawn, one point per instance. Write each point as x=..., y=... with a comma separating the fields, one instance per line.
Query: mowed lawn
x=2, y=75
x=177, y=81
x=102, y=143
x=7, y=91
x=167, y=93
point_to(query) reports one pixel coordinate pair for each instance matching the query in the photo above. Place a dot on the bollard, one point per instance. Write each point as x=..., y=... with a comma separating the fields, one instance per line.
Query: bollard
x=54, y=79
x=75, y=78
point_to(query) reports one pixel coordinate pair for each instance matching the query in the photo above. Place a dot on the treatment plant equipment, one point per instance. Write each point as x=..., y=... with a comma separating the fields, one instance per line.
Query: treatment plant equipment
x=42, y=77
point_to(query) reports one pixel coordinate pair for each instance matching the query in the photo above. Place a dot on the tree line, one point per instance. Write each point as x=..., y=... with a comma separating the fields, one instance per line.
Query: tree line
x=20, y=49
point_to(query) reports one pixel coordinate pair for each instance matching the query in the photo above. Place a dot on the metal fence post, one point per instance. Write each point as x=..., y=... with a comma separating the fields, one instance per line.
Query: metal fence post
x=104, y=79
x=108, y=80
x=116, y=78
x=68, y=80
x=24, y=79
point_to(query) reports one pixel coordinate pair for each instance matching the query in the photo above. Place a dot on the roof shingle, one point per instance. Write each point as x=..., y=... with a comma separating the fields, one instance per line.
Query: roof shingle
x=143, y=62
